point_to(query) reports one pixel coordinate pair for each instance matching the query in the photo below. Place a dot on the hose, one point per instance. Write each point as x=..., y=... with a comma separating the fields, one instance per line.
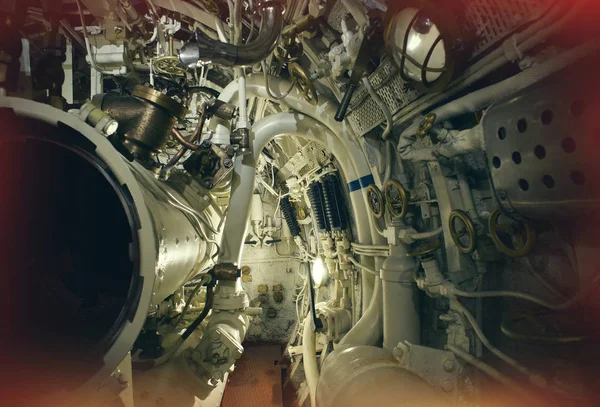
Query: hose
x=386, y=111
x=203, y=49
x=365, y=268
x=206, y=278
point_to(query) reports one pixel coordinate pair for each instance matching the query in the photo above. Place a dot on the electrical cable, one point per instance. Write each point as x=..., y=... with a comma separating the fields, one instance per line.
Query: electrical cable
x=206, y=278
x=493, y=373
x=365, y=268
x=534, y=377
x=523, y=296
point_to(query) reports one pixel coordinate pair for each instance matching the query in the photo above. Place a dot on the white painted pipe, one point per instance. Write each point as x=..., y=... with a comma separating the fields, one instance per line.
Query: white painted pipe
x=401, y=320
x=243, y=108
x=309, y=357
x=349, y=153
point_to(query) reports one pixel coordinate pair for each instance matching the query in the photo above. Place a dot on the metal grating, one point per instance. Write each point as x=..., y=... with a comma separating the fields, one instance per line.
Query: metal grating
x=495, y=19
x=365, y=114
x=334, y=19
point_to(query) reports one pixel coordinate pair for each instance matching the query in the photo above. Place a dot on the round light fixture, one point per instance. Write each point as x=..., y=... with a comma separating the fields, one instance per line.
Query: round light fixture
x=320, y=274
x=426, y=43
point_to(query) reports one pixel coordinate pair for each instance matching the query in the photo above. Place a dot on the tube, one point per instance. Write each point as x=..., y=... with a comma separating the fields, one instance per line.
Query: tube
x=309, y=359
x=384, y=108
x=104, y=245
x=204, y=49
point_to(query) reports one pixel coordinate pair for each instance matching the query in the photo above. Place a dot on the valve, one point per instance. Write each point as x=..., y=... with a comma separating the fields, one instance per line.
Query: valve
x=461, y=226
x=375, y=199
x=520, y=235
x=396, y=198
x=303, y=83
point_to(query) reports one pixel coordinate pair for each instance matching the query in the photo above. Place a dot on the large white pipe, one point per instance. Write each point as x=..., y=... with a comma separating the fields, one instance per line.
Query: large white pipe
x=342, y=143
x=324, y=112
x=244, y=170
x=309, y=358
x=401, y=320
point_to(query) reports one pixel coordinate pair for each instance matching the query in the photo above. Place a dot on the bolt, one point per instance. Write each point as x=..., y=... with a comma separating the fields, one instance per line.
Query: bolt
x=447, y=385
x=227, y=163
x=205, y=144
x=216, y=335
x=448, y=365
x=237, y=354
x=215, y=358
x=207, y=184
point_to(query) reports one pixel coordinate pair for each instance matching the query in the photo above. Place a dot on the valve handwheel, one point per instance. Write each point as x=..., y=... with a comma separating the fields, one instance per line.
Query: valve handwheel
x=515, y=239
x=396, y=198
x=462, y=231
x=169, y=65
x=303, y=83
x=375, y=199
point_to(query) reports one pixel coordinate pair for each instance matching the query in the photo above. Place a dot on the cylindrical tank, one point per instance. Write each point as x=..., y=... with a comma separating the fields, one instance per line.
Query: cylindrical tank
x=358, y=376
x=88, y=243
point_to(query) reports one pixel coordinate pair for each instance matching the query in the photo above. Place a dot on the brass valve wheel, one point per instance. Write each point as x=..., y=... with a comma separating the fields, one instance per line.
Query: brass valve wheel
x=515, y=239
x=462, y=231
x=396, y=198
x=375, y=199
x=303, y=83
x=169, y=65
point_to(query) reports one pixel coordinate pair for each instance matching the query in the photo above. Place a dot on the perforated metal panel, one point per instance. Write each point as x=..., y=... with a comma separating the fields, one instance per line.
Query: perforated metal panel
x=334, y=19
x=542, y=147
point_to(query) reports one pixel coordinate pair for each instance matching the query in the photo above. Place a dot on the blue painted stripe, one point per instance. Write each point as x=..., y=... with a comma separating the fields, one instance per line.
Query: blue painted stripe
x=361, y=183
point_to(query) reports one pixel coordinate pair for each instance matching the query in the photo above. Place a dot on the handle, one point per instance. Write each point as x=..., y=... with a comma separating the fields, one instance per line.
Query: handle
x=341, y=112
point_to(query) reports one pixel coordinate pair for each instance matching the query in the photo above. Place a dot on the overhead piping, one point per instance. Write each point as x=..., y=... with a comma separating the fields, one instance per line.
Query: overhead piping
x=204, y=49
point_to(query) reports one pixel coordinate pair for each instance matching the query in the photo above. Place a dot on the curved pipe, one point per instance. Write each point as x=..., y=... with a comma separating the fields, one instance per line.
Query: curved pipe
x=368, y=330
x=207, y=50
x=341, y=141
x=309, y=358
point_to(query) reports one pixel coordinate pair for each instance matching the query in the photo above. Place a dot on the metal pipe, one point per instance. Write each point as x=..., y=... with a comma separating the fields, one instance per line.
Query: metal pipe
x=401, y=321
x=309, y=357
x=484, y=97
x=204, y=49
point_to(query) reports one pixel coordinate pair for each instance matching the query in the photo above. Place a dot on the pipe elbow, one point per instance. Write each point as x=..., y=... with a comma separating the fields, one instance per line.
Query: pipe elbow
x=203, y=49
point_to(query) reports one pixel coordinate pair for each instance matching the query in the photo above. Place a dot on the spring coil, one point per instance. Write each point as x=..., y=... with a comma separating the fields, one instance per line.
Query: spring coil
x=335, y=210
x=315, y=196
x=289, y=213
